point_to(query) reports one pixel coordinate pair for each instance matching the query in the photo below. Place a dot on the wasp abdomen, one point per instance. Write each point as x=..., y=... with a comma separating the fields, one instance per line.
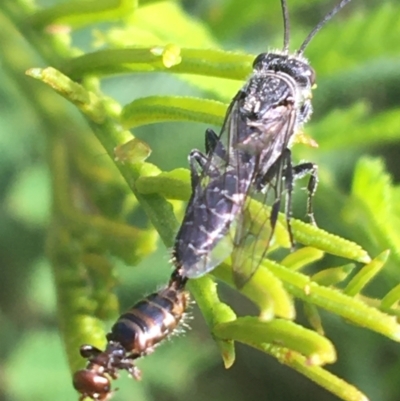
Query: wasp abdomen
x=200, y=245
x=135, y=334
x=149, y=321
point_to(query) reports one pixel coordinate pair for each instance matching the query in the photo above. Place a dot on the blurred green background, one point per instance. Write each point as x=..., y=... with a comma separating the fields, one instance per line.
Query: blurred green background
x=357, y=60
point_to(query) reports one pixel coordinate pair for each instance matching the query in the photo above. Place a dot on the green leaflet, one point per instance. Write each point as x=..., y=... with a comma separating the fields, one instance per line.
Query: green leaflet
x=366, y=274
x=155, y=109
x=333, y=275
x=335, y=301
x=215, y=312
x=82, y=13
x=377, y=215
x=250, y=330
x=213, y=63
x=265, y=290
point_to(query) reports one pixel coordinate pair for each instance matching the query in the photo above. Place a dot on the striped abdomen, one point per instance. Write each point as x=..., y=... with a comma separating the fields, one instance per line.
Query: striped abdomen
x=149, y=321
x=135, y=334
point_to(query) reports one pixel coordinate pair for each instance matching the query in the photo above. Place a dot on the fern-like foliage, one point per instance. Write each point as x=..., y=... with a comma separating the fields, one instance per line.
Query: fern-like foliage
x=95, y=200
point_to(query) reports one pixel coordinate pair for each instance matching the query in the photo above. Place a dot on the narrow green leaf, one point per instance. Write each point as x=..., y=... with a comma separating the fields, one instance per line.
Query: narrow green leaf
x=215, y=312
x=336, y=302
x=82, y=329
x=77, y=13
x=264, y=290
x=333, y=275
x=366, y=274
x=172, y=185
x=380, y=35
x=252, y=331
x=214, y=63
x=310, y=235
x=307, y=234
x=373, y=206
x=325, y=379
x=391, y=298
x=313, y=317
x=150, y=27
x=85, y=100
x=301, y=258
x=154, y=109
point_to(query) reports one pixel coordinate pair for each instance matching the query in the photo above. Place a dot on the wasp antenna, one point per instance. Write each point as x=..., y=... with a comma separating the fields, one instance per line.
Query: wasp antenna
x=320, y=25
x=286, y=26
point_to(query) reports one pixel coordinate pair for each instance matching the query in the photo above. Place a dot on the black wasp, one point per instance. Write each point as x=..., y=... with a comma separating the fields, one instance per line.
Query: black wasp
x=251, y=155
x=135, y=334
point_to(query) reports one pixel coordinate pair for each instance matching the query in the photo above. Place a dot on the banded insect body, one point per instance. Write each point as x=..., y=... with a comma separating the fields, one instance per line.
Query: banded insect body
x=135, y=334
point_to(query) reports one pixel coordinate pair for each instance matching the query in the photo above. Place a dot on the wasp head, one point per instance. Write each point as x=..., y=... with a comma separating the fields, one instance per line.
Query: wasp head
x=92, y=382
x=294, y=65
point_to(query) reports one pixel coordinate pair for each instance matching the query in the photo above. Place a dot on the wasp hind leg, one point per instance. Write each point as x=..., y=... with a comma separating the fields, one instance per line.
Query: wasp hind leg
x=302, y=170
x=281, y=171
x=289, y=176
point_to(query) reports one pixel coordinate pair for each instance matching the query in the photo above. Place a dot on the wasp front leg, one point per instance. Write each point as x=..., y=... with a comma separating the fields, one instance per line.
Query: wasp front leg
x=214, y=145
x=197, y=163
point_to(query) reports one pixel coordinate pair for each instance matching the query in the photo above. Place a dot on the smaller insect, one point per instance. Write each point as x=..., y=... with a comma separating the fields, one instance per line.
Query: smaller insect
x=135, y=334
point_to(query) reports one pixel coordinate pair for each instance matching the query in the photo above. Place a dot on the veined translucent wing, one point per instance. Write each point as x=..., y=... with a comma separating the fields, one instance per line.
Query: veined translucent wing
x=220, y=181
x=272, y=119
x=246, y=157
x=256, y=225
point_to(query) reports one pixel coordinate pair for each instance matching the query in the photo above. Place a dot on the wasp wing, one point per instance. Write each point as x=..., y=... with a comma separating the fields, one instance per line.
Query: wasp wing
x=220, y=183
x=270, y=138
x=243, y=160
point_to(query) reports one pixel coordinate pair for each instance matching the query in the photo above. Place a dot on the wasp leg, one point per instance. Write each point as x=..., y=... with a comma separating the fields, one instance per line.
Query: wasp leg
x=88, y=351
x=211, y=140
x=281, y=168
x=289, y=176
x=302, y=170
x=201, y=164
x=286, y=170
x=129, y=365
x=197, y=162
x=214, y=145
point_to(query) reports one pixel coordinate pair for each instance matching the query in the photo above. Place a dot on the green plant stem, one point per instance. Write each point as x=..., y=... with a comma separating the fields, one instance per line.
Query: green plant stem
x=214, y=63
